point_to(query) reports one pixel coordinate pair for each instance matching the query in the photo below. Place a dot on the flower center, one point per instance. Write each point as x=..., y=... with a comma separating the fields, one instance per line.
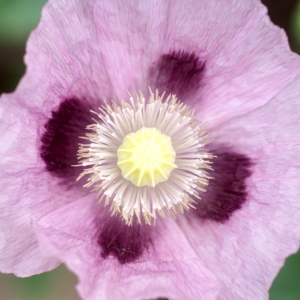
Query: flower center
x=146, y=157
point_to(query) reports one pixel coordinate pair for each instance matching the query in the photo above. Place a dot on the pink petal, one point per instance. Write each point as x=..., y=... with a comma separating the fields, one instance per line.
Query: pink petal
x=27, y=191
x=63, y=55
x=18, y=246
x=102, y=49
x=246, y=252
x=244, y=53
x=169, y=268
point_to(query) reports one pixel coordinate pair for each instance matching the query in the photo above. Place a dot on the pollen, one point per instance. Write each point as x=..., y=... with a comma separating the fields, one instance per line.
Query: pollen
x=146, y=157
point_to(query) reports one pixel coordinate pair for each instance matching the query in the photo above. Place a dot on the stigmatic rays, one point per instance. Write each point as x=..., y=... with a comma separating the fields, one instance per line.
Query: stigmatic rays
x=146, y=157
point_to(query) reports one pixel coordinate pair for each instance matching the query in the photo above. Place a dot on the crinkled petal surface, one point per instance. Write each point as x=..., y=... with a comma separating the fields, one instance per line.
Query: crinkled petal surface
x=54, y=74
x=71, y=232
x=226, y=60
x=256, y=240
x=25, y=190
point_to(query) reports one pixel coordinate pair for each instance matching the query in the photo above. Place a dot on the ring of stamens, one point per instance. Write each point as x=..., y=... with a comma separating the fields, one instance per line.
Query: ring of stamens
x=146, y=180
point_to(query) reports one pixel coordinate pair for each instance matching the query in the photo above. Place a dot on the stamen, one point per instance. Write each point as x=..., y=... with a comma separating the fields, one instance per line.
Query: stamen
x=146, y=157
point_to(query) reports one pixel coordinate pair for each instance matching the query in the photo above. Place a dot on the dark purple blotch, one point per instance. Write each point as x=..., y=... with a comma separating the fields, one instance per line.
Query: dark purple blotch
x=59, y=143
x=227, y=191
x=158, y=299
x=125, y=243
x=178, y=72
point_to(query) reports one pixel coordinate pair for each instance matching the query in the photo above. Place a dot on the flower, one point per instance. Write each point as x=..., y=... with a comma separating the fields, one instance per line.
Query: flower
x=227, y=62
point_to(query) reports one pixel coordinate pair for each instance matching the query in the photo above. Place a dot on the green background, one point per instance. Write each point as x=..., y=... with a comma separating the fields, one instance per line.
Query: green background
x=17, y=19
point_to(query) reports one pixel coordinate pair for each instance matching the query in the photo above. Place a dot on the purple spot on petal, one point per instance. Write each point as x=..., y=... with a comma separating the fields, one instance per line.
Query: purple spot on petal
x=158, y=299
x=227, y=191
x=60, y=140
x=179, y=73
x=126, y=243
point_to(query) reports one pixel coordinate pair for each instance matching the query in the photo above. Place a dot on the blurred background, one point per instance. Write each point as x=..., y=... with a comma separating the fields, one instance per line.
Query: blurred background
x=17, y=19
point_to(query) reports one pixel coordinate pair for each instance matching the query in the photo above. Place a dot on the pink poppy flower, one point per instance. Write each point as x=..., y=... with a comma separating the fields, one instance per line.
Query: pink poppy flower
x=226, y=61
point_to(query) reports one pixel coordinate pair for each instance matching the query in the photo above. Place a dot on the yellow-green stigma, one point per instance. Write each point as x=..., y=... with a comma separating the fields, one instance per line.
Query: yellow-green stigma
x=146, y=157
